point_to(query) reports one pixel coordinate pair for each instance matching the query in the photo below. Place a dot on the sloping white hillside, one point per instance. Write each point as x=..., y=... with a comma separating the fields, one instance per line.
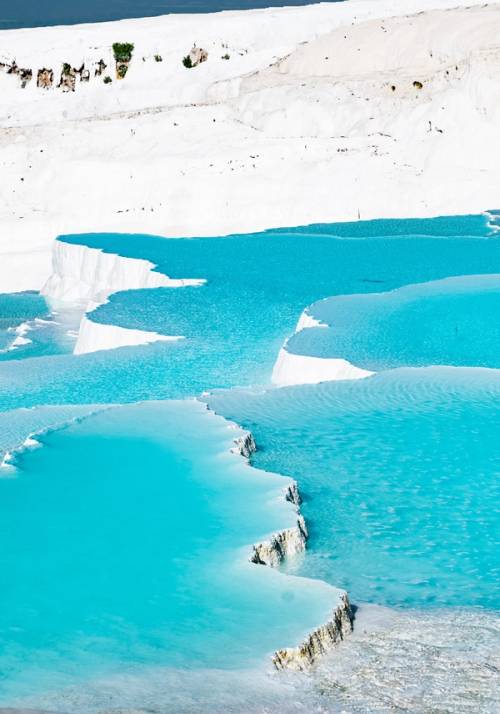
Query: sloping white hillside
x=301, y=124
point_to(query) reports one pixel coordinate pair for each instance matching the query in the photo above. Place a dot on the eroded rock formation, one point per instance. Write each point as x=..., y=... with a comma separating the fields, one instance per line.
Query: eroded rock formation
x=197, y=56
x=288, y=543
x=25, y=76
x=318, y=642
x=68, y=78
x=99, y=68
x=45, y=78
x=281, y=545
x=245, y=445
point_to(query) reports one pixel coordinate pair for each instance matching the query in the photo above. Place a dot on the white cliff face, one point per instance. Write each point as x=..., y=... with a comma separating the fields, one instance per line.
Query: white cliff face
x=89, y=276
x=290, y=369
x=95, y=336
x=83, y=274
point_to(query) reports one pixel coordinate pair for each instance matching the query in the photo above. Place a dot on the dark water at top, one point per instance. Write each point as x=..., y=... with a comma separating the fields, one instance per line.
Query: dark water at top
x=36, y=13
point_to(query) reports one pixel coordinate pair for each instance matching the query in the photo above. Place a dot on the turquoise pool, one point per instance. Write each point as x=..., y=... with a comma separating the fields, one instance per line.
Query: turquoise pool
x=400, y=478
x=125, y=576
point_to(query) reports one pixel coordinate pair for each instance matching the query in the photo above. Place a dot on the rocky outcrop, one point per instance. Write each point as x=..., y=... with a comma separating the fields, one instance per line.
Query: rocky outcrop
x=318, y=642
x=281, y=545
x=292, y=494
x=197, y=56
x=25, y=74
x=245, y=445
x=273, y=552
x=45, y=78
x=68, y=78
x=99, y=68
x=285, y=543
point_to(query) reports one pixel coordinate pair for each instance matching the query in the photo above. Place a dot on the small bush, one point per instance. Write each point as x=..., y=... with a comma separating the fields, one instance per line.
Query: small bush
x=187, y=62
x=226, y=56
x=107, y=79
x=122, y=51
x=158, y=58
x=66, y=68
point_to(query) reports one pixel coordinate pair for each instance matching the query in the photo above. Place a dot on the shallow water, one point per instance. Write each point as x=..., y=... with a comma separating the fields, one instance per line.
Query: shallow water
x=30, y=327
x=129, y=535
x=438, y=661
x=397, y=473
x=16, y=308
x=400, y=476
x=257, y=286
x=454, y=322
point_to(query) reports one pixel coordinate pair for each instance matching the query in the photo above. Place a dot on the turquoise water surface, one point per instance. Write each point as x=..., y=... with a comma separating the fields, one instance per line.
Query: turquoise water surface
x=400, y=475
x=15, y=309
x=128, y=541
x=257, y=286
x=455, y=321
x=43, y=329
x=125, y=573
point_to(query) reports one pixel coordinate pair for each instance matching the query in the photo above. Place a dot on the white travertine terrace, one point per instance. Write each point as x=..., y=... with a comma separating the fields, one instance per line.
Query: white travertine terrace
x=95, y=336
x=328, y=112
x=290, y=369
x=85, y=275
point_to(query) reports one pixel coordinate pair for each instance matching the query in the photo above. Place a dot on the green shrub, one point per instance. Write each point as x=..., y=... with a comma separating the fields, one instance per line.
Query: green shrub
x=66, y=68
x=107, y=79
x=122, y=51
x=187, y=62
x=158, y=58
x=226, y=56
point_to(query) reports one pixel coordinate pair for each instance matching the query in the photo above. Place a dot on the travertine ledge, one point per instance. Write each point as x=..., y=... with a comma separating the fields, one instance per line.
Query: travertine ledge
x=281, y=545
x=245, y=445
x=318, y=642
x=273, y=552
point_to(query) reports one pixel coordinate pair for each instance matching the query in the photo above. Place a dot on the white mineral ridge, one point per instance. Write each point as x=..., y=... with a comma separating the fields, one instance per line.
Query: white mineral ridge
x=96, y=336
x=88, y=276
x=83, y=274
x=300, y=125
x=292, y=369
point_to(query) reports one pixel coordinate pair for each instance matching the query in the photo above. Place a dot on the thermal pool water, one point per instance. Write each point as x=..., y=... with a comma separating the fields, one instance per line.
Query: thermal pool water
x=126, y=581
